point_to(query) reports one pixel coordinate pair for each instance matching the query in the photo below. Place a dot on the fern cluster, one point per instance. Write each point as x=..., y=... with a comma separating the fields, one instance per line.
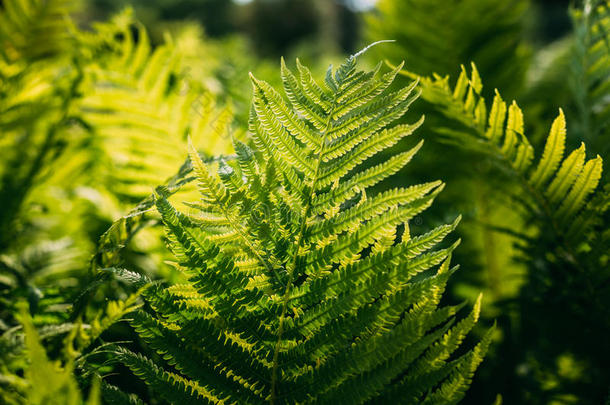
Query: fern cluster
x=90, y=121
x=62, y=178
x=535, y=224
x=140, y=105
x=305, y=268
x=560, y=185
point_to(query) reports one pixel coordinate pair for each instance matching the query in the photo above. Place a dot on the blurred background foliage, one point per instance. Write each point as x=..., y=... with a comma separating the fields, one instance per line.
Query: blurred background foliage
x=79, y=98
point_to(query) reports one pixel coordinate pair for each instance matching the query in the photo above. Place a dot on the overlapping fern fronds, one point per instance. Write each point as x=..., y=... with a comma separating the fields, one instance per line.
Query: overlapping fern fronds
x=34, y=379
x=141, y=105
x=46, y=381
x=88, y=116
x=37, y=87
x=28, y=376
x=302, y=287
x=35, y=29
x=34, y=96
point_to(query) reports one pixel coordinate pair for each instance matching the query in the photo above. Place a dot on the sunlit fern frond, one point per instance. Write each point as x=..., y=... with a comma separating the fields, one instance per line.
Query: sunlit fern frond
x=557, y=183
x=35, y=86
x=35, y=98
x=562, y=234
x=40, y=380
x=43, y=239
x=302, y=285
x=141, y=105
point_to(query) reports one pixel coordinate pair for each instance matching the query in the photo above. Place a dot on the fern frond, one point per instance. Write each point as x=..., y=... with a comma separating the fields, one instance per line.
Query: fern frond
x=142, y=106
x=170, y=386
x=48, y=382
x=114, y=396
x=565, y=215
x=39, y=252
x=299, y=288
x=558, y=185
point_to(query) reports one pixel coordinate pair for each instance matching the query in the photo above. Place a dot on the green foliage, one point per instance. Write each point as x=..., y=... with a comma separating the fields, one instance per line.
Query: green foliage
x=302, y=287
x=590, y=70
x=28, y=376
x=32, y=29
x=26, y=71
x=224, y=69
x=305, y=270
x=563, y=239
x=558, y=186
x=60, y=161
x=540, y=220
x=37, y=87
x=140, y=106
x=435, y=36
x=90, y=121
x=44, y=381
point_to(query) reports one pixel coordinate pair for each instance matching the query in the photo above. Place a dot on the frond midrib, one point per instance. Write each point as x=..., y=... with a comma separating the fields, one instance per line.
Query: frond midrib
x=299, y=240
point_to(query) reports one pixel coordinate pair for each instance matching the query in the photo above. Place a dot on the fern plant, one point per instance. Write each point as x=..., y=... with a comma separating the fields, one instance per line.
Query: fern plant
x=37, y=88
x=301, y=286
x=59, y=88
x=562, y=237
x=560, y=186
x=138, y=104
x=29, y=376
x=67, y=139
x=46, y=381
x=34, y=30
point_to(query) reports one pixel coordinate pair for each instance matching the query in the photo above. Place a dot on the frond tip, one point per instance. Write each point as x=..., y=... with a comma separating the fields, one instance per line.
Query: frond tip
x=366, y=48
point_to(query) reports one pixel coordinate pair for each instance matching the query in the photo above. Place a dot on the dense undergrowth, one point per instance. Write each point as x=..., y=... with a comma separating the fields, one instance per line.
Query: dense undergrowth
x=166, y=238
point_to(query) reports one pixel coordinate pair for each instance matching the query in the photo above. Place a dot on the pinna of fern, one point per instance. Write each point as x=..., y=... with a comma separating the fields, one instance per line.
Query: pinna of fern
x=302, y=287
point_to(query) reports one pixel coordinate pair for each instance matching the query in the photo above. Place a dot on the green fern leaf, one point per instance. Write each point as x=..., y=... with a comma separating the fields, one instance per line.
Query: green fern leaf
x=33, y=29
x=299, y=287
x=141, y=106
x=558, y=186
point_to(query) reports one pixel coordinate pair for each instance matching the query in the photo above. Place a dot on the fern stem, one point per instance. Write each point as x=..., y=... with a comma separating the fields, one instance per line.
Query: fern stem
x=489, y=246
x=293, y=259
